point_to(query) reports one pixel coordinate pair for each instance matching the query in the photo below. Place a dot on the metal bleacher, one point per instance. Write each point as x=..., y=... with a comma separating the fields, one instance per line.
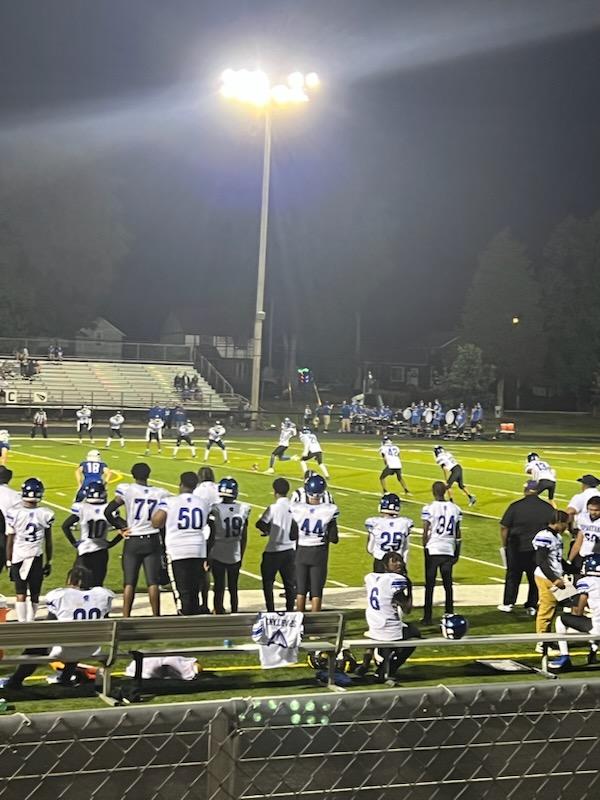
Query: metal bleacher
x=114, y=384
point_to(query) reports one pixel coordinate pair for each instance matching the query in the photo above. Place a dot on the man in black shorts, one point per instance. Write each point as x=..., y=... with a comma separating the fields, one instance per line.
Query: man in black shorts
x=143, y=546
x=453, y=472
x=317, y=528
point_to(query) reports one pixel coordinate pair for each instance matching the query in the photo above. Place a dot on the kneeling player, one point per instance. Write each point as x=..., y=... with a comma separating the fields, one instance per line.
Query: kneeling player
x=312, y=449
x=92, y=548
x=389, y=598
x=28, y=534
x=576, y=622
x=317, y=528
x=77, y=601
x=154, y=433
x=91, y=470
x=389, y=532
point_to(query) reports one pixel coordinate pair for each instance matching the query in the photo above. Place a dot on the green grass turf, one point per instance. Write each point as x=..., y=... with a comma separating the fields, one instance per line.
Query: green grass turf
x=238, y=675
x=493, y=471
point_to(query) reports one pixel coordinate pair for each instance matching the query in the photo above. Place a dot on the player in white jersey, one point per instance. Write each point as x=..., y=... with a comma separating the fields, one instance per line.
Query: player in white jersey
x=184, y=434
x=208, y=490
x=550, y=568
x=143, y=544
x=542, y=473
x=312, y=449
x=8, y=498
x=286, y=434
x=317, y=528
x=277, y=522
x=184, y=517
x=215, y=439
x=40, y=423
x=114, y=431
x=389, y=532
x=389, y=597
x=578, y=502
x=92, y=548
x=77, y=601
x=228, y=544
x=453, y=472
x=441, y=543
x=84, y=423
x=393, y=465
x=154, y=431
x=578, y=621
x=586, y=527
x=28, y=536
x=4, y=446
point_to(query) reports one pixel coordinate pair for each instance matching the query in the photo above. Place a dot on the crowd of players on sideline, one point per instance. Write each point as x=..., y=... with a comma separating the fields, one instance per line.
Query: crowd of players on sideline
x=187, y=539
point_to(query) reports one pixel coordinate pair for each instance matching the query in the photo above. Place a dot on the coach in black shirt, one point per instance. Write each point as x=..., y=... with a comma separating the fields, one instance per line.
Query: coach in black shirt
x=520, y=523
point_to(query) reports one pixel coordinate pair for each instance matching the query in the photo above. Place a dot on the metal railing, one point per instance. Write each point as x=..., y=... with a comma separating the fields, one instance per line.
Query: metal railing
x=484, y=742
x=211, y=374
x=99, y=349
x=103, y=398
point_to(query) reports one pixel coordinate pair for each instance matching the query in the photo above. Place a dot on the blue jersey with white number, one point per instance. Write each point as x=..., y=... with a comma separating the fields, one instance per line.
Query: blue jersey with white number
x=92, y=471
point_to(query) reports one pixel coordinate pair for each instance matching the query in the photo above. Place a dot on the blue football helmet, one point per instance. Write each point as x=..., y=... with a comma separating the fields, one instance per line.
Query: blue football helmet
x=315, y=486
x=454, y=626
x=32, y=489
x=95, y=492
x=389, y=504
x=591, y=565
x=532, y=457
x=437, y=450
x=306, y=429
x=228, y=487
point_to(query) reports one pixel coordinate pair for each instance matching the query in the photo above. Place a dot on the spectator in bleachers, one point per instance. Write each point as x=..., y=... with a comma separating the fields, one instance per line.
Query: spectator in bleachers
x=59, y=353
x=51, y=352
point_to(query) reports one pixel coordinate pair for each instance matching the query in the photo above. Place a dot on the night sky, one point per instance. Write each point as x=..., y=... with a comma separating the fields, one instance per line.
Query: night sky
x=438, y=124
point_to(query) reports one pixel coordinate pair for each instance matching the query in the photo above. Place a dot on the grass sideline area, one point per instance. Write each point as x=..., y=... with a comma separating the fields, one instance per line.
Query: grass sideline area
x=494, y=471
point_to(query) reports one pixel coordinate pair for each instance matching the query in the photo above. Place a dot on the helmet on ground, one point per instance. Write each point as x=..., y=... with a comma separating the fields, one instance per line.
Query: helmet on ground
x=389, y=504
x=32, y=489
x=454, y=626
x=591, y=565
x=344, y=662
x=315, y=486
x=532, y=457
x=93, y=455
x=95, y=492
x=228, y=487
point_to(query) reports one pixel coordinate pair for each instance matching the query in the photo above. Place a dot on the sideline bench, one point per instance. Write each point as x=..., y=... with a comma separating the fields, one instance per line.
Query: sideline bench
x=322, y=632
x=101, y=633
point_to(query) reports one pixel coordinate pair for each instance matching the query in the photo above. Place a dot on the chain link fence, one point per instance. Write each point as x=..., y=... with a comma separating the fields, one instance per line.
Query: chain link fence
x=494, y=741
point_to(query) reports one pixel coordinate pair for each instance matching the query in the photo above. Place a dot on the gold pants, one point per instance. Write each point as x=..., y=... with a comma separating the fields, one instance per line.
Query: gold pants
x=546, y=605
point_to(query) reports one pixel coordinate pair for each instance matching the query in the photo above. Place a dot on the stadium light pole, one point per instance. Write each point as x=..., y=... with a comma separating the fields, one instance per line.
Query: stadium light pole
x=254, y=88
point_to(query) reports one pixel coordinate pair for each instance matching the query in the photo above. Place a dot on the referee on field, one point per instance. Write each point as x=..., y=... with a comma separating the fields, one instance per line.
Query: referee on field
x=278, y=524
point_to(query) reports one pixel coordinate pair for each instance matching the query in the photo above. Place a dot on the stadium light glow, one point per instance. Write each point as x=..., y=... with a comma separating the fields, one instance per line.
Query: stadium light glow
x=254, y=88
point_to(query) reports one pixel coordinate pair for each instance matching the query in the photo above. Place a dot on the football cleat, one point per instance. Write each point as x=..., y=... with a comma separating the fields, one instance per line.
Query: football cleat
x=454, y=626
x=95, y=492
x=228, y=487
x=315, y=486
x=32, y=489
x=389, y=504
x=560, y=663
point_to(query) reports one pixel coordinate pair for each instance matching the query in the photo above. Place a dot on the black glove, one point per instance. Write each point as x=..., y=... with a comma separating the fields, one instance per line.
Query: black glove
x=47, y=569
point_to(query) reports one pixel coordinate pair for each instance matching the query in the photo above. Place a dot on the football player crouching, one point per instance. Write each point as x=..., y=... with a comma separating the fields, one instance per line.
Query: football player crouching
x=577, y=621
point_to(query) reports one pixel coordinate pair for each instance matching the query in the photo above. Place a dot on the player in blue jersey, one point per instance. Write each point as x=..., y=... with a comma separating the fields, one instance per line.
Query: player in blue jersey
x=91, y=470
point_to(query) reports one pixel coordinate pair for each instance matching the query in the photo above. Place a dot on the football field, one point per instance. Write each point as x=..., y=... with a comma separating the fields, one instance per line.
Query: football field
x=494, y=472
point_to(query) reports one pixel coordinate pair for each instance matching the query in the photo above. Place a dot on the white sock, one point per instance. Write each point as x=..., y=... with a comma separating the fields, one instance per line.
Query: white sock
x=562, y=645
x=324, y=470
x=122, y=442
x=206, y=455
x=31, y=610
x=175, y=449
x=21, y=609
x=108, y=442
x=193, y=452
x=225, y=456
